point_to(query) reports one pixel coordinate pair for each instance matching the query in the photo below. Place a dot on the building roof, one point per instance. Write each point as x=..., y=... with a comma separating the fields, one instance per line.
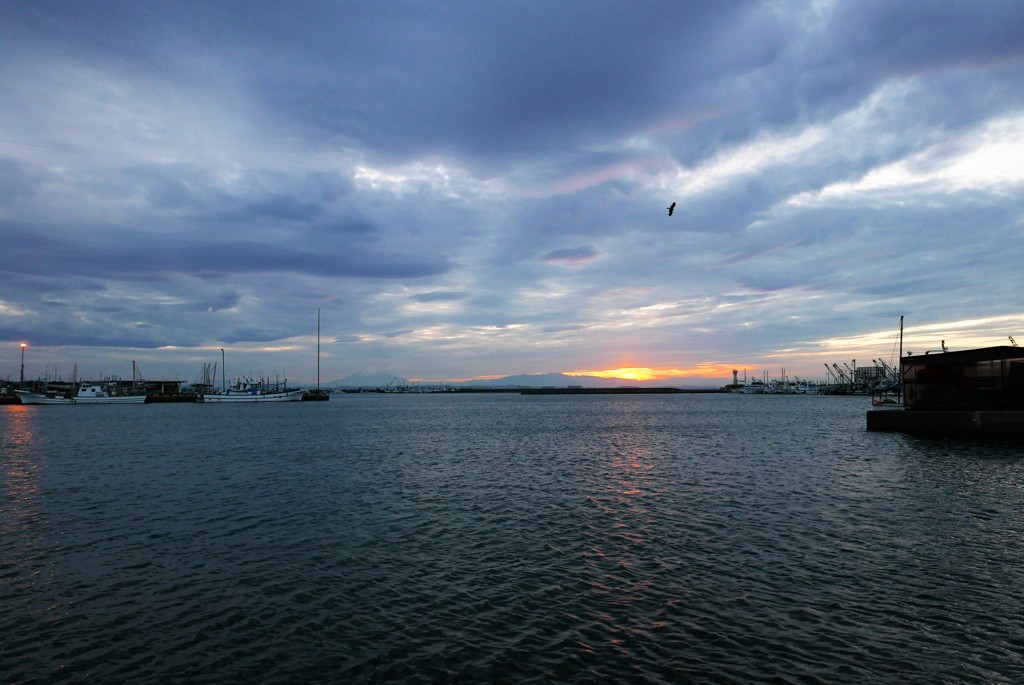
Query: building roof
x=981, y=354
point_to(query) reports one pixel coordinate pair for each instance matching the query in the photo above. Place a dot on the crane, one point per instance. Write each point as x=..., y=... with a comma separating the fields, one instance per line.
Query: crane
x=1012, y=341
x=842, y=375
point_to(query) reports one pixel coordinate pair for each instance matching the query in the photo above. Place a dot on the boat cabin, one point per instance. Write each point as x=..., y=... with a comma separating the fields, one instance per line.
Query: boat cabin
x=988, y=378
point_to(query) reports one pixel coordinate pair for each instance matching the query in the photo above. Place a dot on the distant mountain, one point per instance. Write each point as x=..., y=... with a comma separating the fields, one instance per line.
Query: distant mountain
x=367, y=380
x=561, y=380
x=557, y=380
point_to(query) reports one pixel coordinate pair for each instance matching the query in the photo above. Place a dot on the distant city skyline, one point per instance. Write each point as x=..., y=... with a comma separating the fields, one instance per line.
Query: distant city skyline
x=473, y=191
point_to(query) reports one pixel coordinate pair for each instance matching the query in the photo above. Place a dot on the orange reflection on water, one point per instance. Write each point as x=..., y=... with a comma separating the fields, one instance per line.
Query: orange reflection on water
x=630, y=470
x=16, y=459
x=627, y=484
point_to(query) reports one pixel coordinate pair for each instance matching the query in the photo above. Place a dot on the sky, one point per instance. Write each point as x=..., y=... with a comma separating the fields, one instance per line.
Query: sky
x=472, y=190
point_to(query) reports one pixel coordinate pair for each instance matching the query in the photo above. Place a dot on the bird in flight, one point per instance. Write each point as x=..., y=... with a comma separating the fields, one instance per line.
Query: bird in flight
x=671, y=208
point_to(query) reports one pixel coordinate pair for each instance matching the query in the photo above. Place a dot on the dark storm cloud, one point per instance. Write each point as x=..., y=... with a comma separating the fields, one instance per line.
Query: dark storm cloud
x=192, y=192
x=404, y=78
x=64, y=338
x=575, y=255
x=268, y=332
x=510, y=78
x=398, y=333
x=122, y=257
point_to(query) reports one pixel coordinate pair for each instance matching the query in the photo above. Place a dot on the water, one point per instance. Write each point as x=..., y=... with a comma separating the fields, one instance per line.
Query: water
x=505, y=538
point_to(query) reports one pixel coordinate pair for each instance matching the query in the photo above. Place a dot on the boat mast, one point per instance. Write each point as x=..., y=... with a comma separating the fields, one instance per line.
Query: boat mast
x=901, y=359
x=318, y=350
x=223, y=383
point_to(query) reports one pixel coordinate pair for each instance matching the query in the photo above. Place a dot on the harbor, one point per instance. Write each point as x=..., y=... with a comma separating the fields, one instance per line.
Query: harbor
x=492, y=537
x=138, y=390
x=116, y=390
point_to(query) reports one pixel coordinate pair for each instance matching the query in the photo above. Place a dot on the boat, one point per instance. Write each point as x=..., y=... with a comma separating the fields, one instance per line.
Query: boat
x=249, y=390
x=890, y=392
x=889, y=395
x=97, y=394
x=48, y=397
x=755, y=387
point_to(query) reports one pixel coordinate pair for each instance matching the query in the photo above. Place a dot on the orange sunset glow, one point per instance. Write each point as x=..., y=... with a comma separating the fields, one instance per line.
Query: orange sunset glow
x=643, y=373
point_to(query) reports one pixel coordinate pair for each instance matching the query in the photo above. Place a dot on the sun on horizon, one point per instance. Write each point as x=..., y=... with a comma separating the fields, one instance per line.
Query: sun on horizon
x=643, y=373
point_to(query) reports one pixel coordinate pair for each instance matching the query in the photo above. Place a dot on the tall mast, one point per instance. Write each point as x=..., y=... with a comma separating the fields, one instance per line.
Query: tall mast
x=223, y=382
x=318, y=350
x=901, y=359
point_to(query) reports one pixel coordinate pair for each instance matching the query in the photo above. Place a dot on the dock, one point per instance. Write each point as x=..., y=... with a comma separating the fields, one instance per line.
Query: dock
x=1002, y=423
x=968, y=392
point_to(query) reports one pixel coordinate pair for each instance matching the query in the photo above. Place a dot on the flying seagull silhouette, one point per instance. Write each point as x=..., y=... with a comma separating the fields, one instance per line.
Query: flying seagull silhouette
x=671, y=208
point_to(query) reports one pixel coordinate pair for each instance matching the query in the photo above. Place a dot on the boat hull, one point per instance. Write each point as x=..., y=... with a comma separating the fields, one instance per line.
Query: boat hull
x=117, y=399
x=28, y=397
x=232, y=398
x=97, y=394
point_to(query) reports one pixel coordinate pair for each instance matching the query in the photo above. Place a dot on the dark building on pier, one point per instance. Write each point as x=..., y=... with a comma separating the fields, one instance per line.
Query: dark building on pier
x=971, y=392
x=984, y=378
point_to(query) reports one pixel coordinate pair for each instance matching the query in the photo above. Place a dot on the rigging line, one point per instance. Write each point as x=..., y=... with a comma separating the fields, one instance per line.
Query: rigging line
x=892, y=355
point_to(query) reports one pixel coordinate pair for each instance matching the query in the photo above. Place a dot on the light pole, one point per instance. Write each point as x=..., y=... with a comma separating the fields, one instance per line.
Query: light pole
x=21, y=384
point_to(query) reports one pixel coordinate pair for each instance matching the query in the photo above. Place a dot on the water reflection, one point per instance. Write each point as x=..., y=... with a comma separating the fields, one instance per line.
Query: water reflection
x=20, y=468
x=626, y=559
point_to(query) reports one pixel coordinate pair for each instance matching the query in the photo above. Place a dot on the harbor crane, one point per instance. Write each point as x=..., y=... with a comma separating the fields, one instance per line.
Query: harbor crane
x=828, y=374
x=852, y=373
x=842, y=375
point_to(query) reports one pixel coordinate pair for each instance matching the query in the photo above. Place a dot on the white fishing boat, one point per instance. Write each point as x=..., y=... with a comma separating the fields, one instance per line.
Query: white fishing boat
x=49, y=397
x=755, y=387
x=97, y=394
x=249, y=390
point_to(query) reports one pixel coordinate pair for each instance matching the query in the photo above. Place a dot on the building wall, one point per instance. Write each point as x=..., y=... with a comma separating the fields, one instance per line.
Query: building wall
x=964, y=381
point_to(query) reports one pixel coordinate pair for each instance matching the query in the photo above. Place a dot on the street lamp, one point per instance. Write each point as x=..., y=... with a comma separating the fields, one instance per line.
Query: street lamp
x=21, y=385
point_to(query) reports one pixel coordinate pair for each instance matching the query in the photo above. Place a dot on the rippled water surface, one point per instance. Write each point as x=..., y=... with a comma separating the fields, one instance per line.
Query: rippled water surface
x=505, y=538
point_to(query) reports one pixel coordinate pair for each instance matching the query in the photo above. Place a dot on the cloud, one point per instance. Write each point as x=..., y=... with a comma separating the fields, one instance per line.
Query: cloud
x=571, y=256
x=439, y=297
x=193, y=178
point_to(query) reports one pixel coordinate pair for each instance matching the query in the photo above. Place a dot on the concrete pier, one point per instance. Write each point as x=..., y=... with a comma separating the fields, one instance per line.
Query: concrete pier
x=953, y=422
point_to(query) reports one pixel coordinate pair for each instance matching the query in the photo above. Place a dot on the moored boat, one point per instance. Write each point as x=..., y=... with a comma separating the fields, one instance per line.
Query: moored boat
x=249, y=390
x=49, y=397
x=97, y=394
